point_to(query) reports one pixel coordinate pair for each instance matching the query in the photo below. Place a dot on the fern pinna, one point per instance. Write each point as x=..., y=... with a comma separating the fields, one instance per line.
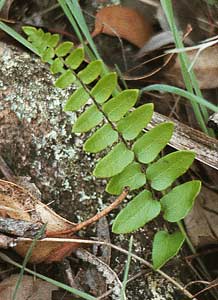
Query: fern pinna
x=132, y=160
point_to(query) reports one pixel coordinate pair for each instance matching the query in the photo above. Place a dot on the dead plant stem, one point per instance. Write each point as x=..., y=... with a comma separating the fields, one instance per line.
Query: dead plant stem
x=141, y=260
x=93, y=219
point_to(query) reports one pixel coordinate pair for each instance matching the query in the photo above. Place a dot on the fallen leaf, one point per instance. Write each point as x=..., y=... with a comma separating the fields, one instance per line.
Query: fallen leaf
x=202, y=222
x=18, y=203
x=205, y=68
x=123, y=22
x=156, y=42
x=30, y=288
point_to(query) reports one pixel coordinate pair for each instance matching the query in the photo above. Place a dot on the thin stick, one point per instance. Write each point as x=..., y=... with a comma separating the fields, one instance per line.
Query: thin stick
x=141, y=260
x=213, y=284
x=95, y=218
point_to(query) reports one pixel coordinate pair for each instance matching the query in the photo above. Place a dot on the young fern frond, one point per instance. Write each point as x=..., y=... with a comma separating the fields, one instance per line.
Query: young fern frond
x=130, y=150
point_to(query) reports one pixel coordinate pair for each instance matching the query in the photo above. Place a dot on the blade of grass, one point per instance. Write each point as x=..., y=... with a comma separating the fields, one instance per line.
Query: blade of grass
x=189, y=77
x=174, y=90
x=61, y=285
x=26, y=259
x=17, y=37
x=71, y=19
x=125, y=277
x=75, y=10
x=2, y=3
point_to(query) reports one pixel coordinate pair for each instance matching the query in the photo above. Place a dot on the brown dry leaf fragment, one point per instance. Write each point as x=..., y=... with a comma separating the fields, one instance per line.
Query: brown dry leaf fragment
x=30, y=288
x=22, y=205
x=205, y=68
x=19, y=204
x=123, y=22
x=202, y=222
x=46, y=251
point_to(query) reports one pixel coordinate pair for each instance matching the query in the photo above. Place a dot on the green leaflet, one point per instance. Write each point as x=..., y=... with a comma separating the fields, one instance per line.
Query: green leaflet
x=49, y=40
x=40, y=39
x=102, y=138
x=179, y=201
x=91, y=72
x=131, y=176
x=167, y=169
x=75, y=58
x=104, y=87
x=36, y=37
x=63, y=49
x=29, y=30
x=57, y=66
x=48, y=54
x=118, y=106
x=152, y=142
x=137, y=213
x=89, y=119
x=53, y=40
x=114, y=162
x=65, y=80
x=165, y=246
x=76, y=100
x=131, y=125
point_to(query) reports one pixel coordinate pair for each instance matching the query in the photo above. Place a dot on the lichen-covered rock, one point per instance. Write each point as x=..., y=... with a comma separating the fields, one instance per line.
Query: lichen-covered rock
x=36, y=139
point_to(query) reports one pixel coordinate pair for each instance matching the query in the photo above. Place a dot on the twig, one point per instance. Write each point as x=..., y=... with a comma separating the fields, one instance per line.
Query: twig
x=95, y=218
x=141, y=260
x=213, y=284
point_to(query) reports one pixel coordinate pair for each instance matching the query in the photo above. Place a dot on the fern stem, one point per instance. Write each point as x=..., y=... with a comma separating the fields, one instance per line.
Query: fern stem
x=121, y=138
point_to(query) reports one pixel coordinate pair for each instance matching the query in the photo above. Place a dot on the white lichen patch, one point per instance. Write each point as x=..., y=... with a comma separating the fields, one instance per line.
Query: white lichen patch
x=160, y=289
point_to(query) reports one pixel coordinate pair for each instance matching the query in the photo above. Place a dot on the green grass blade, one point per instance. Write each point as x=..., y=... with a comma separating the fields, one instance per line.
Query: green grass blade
x=75, y=10
x=67, y=12
x=61, y=285
x=71, y=19
x=25, y=261
x=17, y=37
x=125, y=277
x=2, y=3
x=174, y=90
x=190, y=80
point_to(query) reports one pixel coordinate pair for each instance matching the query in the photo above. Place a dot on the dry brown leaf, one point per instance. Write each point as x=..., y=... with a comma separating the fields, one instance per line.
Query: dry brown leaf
x=18, y=203
x=123, y=22
x=205, y=68
x=22, y=205
x=202, y=222
x=30, y=288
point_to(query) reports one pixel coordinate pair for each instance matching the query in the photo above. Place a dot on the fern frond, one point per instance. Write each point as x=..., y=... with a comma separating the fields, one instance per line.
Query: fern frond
x=130, y=150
